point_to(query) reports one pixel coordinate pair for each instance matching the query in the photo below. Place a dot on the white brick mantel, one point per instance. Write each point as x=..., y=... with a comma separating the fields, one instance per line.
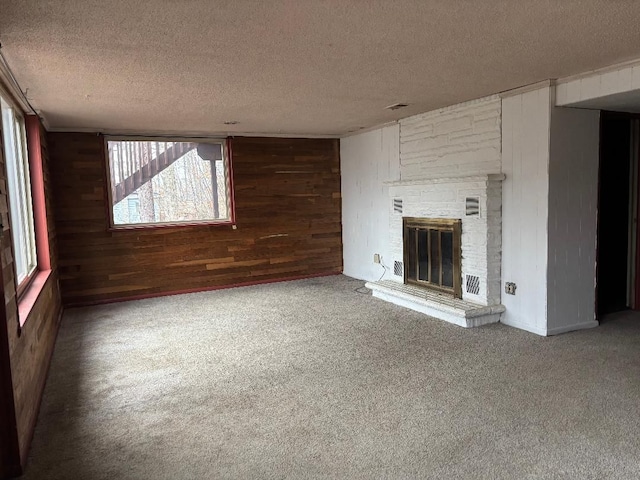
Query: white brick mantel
x=434, y=180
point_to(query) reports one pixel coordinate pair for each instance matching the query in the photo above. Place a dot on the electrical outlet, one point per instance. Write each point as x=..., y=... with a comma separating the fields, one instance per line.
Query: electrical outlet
x=510, y=288
x=376, y=258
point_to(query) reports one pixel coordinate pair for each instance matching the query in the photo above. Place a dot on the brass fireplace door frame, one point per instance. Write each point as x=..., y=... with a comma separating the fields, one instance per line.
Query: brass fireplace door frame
x=443, y=225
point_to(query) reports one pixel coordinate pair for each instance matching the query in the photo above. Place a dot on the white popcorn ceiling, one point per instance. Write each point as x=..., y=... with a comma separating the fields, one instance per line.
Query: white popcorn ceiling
x=298, y=67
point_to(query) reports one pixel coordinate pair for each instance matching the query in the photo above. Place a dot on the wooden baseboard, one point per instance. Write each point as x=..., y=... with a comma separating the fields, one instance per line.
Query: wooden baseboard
x=197, y=290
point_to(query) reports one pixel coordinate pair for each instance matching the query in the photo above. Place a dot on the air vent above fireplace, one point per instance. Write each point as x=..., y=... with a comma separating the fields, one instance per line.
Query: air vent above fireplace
x=397, y=205
x=472, y=206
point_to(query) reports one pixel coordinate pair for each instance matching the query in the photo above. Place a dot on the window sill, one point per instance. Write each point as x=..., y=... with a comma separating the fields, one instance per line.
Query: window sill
x=155, y=226
x=31, y=295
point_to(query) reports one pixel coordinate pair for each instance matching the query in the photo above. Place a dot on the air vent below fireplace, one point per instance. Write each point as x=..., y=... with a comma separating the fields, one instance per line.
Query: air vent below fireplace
x=397, y=268
x=473, y=284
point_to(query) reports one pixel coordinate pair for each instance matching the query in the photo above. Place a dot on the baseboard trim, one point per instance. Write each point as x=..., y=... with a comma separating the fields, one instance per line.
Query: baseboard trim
x=197, y=290
x=551, y=331
x=573, y=327
x=526, y=327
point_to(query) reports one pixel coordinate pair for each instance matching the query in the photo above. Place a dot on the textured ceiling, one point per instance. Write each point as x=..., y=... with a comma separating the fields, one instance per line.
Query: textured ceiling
x=320, y=67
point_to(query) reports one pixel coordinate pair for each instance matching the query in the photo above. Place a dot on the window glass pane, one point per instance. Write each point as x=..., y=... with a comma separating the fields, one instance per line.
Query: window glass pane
x=423, y=255
x=168, y=182
x=447, y=258
x=26, y=203
x=411, y=261
x=435, y=257
x=19, y=188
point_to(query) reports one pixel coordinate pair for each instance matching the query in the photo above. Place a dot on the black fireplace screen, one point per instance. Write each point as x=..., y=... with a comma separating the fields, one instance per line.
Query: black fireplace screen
x=432, y=253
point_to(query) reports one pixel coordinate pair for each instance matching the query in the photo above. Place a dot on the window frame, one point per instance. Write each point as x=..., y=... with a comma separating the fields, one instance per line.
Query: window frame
x=16, y=200
x=227, y=158
x=29, y=290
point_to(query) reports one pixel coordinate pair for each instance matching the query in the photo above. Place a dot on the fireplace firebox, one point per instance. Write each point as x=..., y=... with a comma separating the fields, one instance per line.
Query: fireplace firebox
x=432, y=254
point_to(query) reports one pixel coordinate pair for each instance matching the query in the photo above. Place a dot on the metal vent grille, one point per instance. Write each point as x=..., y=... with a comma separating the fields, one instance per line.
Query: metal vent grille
x=397, y=205
x=396, y=106
x=397, y=268
x=472, y=205
x=473, y=284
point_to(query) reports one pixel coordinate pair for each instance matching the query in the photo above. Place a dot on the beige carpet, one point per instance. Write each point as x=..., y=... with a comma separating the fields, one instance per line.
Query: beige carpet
x=310, y=379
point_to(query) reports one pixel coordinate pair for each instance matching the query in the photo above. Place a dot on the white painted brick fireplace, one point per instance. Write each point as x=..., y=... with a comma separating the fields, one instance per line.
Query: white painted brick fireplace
x=446, y=158
x=547, y=214
x=481, y=234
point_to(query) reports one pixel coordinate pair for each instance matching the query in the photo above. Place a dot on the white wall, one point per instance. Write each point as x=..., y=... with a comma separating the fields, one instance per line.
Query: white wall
x=526, y=120
x=463, y=139
x=367, y=160
x=549, y=157
x=573, y=202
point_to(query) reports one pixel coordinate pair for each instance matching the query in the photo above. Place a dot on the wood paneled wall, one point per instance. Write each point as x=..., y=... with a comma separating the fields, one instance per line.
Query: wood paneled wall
x=31, y=347
x=287, y=199
x=9, y=452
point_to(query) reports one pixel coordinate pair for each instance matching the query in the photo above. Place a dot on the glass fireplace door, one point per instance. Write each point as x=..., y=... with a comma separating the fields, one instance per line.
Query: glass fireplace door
x=432, y=253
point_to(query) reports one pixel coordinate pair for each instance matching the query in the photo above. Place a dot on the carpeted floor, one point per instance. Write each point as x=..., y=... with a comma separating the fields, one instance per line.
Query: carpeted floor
x=310, y=379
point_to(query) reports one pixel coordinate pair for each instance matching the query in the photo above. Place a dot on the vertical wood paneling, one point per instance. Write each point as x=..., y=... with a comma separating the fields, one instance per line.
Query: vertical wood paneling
x=287, y=196
x=9, y=452
x=525, y=163
x=30, y=356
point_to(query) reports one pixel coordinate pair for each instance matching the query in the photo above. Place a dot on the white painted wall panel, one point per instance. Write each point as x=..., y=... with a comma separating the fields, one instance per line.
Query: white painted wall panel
x=573, y=201
x=367, y=160
x=525, y=160
x=610, y=89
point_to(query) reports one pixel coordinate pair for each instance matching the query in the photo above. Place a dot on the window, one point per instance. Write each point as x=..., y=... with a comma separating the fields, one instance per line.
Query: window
x=159, y=182
x=19, y=187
